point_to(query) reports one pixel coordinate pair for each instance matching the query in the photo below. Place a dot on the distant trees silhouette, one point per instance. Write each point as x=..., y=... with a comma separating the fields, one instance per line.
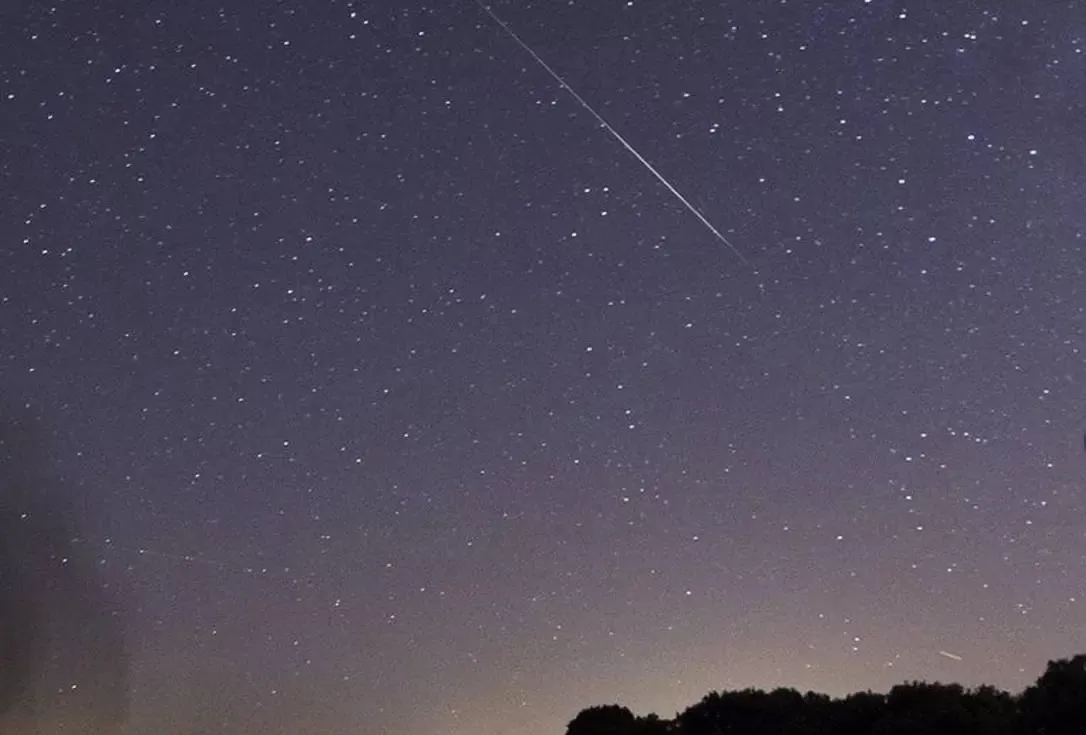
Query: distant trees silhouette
x=612, y=719
x=1054, y=705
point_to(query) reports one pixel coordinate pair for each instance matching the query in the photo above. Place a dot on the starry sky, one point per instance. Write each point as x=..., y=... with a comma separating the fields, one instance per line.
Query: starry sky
x=394, y=395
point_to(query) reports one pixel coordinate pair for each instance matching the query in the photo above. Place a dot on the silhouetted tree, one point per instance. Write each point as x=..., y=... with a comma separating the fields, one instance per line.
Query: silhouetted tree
x=993, y=710
x=747, y=711
x=651, y=724
x=710, y=716
x=1056, y=704
x=609, y=719
x=816, y=716
x=919, y=708
x=857, y=713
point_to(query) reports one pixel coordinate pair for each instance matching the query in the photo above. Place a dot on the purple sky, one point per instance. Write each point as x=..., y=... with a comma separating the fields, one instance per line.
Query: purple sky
x=435, y=411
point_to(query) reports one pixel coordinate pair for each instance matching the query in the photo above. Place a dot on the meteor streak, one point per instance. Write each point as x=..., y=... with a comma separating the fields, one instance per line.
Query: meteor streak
x=184, y=558
x=607, y=126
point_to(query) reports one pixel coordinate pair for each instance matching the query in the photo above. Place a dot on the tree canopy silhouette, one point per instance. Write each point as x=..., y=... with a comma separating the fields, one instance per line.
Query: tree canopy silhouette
x=613, y=719
x=1054, y=705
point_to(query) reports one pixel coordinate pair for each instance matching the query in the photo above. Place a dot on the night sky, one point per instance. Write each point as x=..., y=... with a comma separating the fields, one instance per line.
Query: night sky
x=394, y=395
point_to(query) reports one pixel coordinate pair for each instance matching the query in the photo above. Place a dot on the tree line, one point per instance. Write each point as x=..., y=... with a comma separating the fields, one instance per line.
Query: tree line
x=1053, y=705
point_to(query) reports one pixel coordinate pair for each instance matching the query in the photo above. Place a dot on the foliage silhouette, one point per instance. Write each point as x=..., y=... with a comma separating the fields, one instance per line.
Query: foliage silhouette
x=612, y=719
x=1054, y=705
x=603, y=720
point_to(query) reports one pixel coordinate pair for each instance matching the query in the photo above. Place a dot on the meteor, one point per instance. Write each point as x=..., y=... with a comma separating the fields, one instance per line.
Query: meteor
x=183, y=558
x=607, y=126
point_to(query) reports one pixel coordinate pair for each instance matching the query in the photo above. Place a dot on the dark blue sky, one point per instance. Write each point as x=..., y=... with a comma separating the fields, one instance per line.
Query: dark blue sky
x=432, y=410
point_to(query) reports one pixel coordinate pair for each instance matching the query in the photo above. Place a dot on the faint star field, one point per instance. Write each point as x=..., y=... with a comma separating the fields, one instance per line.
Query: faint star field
x=398, y=398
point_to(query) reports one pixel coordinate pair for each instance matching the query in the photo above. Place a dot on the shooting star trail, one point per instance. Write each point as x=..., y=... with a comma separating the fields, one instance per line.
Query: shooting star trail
x=951, y=656
x=184, y=558
x=607, y=126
